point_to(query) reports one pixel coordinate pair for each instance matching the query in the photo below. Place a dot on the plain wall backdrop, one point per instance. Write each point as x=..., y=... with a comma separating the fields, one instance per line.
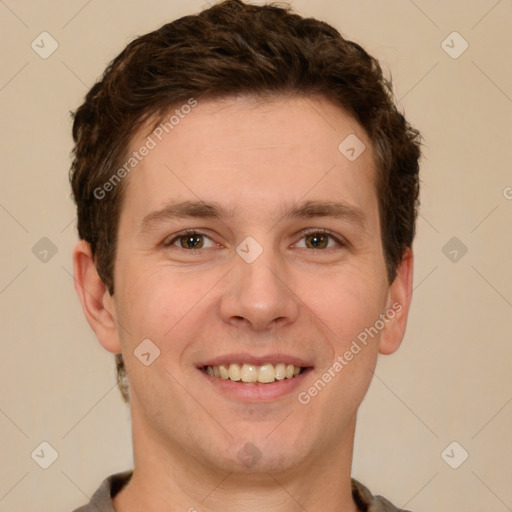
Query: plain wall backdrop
x=451, y=379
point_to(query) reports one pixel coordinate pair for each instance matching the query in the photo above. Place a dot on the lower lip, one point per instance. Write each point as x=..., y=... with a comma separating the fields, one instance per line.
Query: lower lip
x=254, y=392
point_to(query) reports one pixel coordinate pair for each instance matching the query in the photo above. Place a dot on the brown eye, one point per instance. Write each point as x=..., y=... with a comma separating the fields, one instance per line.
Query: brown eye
x=317, y=240
x=189, y=240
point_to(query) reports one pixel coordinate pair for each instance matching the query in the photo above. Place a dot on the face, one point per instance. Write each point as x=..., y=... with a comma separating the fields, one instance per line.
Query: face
x=248, y=238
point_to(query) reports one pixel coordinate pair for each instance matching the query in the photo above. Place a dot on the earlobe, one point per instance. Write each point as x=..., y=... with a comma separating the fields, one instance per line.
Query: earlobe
x=97, y=304
x=397, y=307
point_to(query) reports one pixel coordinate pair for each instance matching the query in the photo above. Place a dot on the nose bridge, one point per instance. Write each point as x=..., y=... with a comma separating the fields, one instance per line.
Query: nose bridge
x=258, y=292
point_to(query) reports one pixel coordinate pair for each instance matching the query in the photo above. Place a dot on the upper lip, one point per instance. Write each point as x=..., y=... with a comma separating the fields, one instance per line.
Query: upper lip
x=241, y=358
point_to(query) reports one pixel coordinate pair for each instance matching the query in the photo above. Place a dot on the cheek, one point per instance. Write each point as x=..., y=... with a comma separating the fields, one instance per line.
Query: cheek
x=158, y=302
x=349, y=303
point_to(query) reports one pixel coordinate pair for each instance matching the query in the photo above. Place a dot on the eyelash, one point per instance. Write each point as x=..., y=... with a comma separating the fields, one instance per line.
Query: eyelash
x=169, y=242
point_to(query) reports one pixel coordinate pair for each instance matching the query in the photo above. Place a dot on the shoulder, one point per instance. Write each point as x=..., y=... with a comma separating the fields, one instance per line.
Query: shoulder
x=101, y=500
x=366, y=501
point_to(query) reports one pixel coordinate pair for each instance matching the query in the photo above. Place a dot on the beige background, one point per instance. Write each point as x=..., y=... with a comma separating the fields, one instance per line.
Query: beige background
x=451, y=380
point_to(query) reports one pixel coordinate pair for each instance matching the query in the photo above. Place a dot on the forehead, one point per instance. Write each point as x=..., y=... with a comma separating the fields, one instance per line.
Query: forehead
x=246, y=152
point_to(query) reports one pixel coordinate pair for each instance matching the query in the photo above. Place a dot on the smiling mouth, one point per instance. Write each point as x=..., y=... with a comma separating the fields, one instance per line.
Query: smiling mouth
x=254, y=374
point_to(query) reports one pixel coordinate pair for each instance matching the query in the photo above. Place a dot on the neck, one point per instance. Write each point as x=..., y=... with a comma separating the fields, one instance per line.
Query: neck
x=173, y=480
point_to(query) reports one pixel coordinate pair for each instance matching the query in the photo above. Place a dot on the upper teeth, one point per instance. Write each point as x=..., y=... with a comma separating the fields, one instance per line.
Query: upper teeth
x=264, y=373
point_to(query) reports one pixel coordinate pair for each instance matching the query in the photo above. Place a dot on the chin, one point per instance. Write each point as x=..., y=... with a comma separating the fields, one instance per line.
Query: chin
x=262, y=453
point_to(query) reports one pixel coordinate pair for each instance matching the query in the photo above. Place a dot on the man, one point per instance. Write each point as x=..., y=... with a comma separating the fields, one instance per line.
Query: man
x=246, y=193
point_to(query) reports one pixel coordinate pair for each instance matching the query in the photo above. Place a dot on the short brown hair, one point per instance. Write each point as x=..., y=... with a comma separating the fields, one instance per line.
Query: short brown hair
x=230, y=49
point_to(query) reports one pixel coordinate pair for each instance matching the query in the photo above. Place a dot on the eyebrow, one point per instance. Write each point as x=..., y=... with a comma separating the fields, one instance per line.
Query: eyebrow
x=212, y=210
x=338, y=210
x=184, y=210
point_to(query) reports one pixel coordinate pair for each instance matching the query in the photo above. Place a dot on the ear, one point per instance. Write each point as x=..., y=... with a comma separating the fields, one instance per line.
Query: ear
x=97, y=303
x=397, y=307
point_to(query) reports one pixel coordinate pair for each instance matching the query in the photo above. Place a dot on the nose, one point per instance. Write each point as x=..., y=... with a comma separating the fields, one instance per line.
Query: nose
x=259, y=295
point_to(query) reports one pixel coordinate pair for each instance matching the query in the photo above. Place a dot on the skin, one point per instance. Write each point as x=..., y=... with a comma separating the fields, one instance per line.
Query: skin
x=257, y=157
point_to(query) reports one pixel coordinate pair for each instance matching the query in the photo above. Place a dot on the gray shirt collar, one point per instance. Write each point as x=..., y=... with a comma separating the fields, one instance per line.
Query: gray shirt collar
x=102, y=498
